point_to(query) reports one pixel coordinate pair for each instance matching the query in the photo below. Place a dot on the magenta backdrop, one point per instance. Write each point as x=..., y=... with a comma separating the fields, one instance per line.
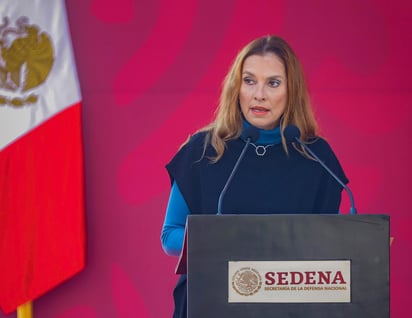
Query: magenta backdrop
x=150, y=73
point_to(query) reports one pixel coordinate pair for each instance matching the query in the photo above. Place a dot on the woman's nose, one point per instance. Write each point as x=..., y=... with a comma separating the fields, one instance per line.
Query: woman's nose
x=259, y=94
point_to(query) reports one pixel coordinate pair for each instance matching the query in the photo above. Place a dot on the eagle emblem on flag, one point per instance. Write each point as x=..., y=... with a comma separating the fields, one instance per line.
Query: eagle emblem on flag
x=26, y=59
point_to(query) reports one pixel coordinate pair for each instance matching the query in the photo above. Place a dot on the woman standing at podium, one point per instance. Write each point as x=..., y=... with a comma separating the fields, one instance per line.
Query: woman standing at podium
x=263, y=93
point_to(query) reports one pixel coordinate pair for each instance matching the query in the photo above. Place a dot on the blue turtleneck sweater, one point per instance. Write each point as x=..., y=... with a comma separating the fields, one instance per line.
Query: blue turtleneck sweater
x=177, y=209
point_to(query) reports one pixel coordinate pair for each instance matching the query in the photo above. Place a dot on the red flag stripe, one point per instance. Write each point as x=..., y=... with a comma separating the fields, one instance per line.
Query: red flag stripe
x=42, y=235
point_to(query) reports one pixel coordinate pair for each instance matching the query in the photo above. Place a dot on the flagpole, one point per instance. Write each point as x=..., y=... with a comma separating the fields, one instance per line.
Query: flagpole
x=25, y=310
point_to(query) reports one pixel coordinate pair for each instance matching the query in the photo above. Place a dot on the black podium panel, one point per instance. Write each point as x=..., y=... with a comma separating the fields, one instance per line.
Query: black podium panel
x=213, y=241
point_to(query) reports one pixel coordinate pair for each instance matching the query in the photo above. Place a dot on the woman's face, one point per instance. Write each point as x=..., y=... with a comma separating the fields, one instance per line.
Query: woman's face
x=263, y=92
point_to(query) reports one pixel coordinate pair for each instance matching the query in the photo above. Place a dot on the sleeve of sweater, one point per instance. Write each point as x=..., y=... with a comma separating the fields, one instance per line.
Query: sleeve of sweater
x=174, y=223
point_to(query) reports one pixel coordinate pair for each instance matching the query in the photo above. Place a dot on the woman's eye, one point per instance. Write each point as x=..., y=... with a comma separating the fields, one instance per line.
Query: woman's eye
x=248, y=80
x=274, y=83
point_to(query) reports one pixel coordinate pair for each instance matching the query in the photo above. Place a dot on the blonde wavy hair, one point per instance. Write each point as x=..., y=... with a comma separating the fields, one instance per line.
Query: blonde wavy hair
x=228, y=122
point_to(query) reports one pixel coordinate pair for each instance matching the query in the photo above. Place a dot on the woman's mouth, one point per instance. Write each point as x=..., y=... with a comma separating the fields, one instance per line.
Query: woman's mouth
x=259, y=110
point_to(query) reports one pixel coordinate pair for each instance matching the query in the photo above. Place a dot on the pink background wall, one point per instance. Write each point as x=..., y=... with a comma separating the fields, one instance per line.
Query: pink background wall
x=150, y=73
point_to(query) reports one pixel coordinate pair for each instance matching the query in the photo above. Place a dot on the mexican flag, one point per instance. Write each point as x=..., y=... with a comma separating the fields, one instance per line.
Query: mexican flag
x=42, y=226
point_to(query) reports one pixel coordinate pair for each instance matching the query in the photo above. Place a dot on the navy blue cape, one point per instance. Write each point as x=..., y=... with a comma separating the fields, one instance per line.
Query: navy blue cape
x=271, y=184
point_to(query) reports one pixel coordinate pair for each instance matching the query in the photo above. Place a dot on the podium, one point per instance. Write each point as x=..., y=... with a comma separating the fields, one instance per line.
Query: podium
x=298, y=265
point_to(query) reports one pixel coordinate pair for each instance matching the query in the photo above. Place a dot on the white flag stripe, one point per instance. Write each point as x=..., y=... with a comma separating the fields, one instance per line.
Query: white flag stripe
x=62, y=89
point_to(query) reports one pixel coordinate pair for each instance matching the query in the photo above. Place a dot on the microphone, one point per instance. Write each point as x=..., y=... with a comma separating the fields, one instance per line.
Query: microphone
x=292, y=133
x=250, y=134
